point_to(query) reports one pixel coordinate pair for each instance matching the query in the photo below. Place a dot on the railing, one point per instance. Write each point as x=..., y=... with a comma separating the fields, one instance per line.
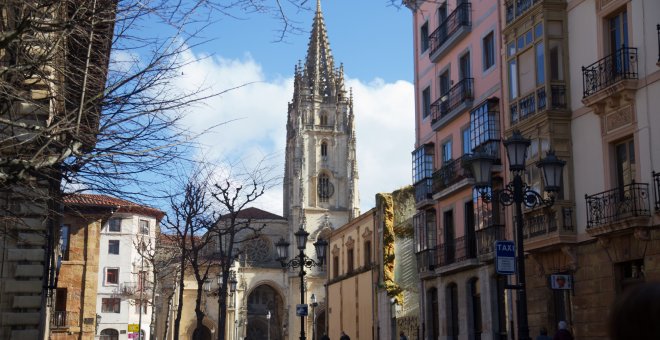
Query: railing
x=426, y=259
x=132, y=288
x=517, y=8
x=617, y=66
x=486, y=238
x=460, y=17
x=539, y=224
x=450, y=173
x=610, y=206
x=423, y=190
x=457, y=250
x=63, y=319
x=656, y=189
x=537, y=101
x=458, y=94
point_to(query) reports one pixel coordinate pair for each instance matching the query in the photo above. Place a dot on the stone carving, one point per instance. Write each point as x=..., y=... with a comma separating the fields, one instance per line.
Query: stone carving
x=619, y=118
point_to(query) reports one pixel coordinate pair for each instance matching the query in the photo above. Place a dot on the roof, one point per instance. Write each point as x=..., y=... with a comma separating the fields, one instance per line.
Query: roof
x=256, y=214
x=104, y=201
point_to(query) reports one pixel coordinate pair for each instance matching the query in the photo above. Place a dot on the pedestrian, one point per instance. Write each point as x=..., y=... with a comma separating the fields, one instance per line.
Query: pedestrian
x=544, y=334
x=636, y=313
x=325, y=337
x=344, y=336
x=402, y=336
x=563, y=333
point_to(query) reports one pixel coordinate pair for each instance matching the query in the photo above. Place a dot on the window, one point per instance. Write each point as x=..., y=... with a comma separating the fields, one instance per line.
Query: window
x=113, y=247
x=335, y=266
x=65, y=240
x=144, y=227
x=111, y=305
x=426, y=102
x=488, y=45
x=470, y=234
x=466, y=140
x=433, y=319
x=446, y=152
x=367, y=253
x=425, y=231
x=111, y=276
x=324, y=150
x=450, y=236
x=451, y=296
x=445, y=83
x=540, y=64
x=139, y=304
x=628, y=274
x=326, y=189
x=464, y=66
x=109, y=334
x=513, y=79
x=141, y=280
x=424, y=37
x=485, y=127
x=60, y=299
x=350, y=260
x=618, y=31
x=324, y=119
x=625, y=162
x=114, y=225
x=422, y=163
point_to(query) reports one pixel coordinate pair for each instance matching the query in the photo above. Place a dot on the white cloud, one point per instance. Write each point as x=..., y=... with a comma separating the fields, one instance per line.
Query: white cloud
x=257, y=123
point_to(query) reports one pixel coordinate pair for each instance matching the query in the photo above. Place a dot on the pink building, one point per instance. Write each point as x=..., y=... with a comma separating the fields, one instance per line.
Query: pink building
x=458, y=103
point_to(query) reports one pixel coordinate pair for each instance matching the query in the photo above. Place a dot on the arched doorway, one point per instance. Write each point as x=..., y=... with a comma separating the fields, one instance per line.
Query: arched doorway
x=109, y=334
x=203, y=333
x=320, y=323
x=261, y=300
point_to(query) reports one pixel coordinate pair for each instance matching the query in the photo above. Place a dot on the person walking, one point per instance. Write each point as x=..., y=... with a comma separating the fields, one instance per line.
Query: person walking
x=563, y=333
x=402, y=336
x=325, y=337
x=344, y=336
x=544, y=334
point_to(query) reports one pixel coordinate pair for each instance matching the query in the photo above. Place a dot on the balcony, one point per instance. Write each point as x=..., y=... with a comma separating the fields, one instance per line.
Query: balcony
x=618, y=209
x=516, y=8
x=543, y=228
x=457, y=25
x=423, y=192
x=426, y=260
x=451, y=173
x=656, y=189
x=64, y=320
x=486, y=240
x=613, y=74
x=456, y=100
x=131, y=289
x=458, y=254
x=537, y=102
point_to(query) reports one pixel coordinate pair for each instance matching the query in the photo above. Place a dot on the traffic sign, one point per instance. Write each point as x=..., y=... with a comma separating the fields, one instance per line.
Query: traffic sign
x=301, y=310
x=505, y=257
x=133, y=327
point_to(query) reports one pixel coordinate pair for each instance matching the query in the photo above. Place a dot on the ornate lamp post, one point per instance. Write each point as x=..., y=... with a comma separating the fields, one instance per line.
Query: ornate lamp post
x=314, y=304
x=518, y=192
x=302, y=261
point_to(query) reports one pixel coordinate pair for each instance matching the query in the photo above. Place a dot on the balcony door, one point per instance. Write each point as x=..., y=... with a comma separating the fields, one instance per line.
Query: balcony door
x=618, y=28
x=625, y=162
x=450, y=236
x=471, y=238
x=464, y=66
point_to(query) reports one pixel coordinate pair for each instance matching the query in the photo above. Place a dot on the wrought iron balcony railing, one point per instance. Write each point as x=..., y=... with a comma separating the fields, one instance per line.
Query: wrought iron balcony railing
x=426, y=259
x=457, y=250
x=63, y=319
x=614, y=205
x=458, y=94
x=133, y=288
x=486, y=238
x=460, y=17
x=423, y=190
x=537, y=101
x=617, y=66
x=656, y=189
x=450, y=173
x=516, y=8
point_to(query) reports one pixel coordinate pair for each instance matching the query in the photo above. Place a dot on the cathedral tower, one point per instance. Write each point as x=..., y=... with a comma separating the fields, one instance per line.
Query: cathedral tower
x=320, y=180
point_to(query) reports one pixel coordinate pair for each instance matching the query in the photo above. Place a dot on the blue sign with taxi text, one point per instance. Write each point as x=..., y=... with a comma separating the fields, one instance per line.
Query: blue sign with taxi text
x=505, y=257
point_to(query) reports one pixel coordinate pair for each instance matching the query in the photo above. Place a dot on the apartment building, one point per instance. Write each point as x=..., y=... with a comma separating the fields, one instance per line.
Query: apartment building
x=458, y=107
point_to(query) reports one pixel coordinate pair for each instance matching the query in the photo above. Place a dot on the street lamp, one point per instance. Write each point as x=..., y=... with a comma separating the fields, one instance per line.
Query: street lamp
x=268, y=318
x=301, y=261
x=314, y=304
x=518, y=192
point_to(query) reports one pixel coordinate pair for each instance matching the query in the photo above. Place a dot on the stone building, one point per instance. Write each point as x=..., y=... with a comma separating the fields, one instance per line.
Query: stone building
x=45, y=68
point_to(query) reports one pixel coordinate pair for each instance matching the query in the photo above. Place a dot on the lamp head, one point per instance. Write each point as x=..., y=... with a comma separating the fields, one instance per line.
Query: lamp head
x=552, y=168
x=516, y=151
x=282, y=247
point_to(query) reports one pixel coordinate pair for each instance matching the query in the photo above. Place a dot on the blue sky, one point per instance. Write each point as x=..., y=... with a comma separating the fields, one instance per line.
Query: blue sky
x=372, y=39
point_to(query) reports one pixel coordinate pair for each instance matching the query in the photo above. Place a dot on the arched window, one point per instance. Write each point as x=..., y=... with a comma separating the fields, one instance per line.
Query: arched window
x=474, y=307
x=109, y=334
x=324, y=119
x=324, y=150
x=325, y=188
x=451, y=298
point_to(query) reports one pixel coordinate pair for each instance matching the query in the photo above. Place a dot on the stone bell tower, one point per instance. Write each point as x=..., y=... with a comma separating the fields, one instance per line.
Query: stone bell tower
x=320, y=176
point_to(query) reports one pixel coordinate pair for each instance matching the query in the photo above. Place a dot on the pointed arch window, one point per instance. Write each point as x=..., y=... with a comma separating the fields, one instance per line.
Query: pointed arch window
x=324, y=119
x=324, y=150
x=325, y=188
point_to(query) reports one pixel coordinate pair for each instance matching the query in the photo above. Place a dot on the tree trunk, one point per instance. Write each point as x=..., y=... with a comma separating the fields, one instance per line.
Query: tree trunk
x=222, y=304
x=179, y=307
x=198, y=312
x=167, y=315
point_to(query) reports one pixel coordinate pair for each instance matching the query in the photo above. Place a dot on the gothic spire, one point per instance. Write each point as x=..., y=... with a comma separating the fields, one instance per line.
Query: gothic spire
x=319, y=65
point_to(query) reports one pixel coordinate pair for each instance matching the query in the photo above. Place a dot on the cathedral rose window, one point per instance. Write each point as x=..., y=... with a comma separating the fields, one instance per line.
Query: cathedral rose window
x=259, y=250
